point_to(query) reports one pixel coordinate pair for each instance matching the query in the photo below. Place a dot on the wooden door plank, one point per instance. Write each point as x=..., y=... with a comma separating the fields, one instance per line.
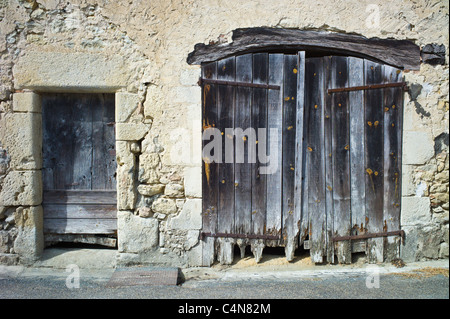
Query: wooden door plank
x=316, y=162
x=210, y=169
x=357, y=146
x=80, y=197
x=244, y=146
x=87, y=211
x=80, y=226
x=103, y=142
x=341, y=158
x=289, y=134
x=393, y=100
x=81, y=142
x=374, y=121
x=275, y=125
x=328, y=153
x=259, y=121
x=299, y=145
x=226, y=106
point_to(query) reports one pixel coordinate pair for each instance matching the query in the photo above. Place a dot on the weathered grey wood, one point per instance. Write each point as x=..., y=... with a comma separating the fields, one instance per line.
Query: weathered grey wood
x=357, y=146
x=259, y=121
x=374, y=160
x=80, y=211
x=226, y=106
x=314, y=101
x=80, y=197
x=341, y=158
x=328, y=140
x=299, y=149
x=392, y=161
x=274, y=124
x=243, y=169
x=103, y=142
x=400, y=53
x=51, y=239
x=289, y=132
x=67, y=141
x=210, y=178
x=80, y=226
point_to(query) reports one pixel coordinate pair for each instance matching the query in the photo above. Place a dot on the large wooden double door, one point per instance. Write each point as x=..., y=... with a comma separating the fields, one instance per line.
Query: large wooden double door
x=332, y=131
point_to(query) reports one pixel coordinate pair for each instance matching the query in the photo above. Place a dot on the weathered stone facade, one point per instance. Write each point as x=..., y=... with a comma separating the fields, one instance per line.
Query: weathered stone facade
x=138, y=51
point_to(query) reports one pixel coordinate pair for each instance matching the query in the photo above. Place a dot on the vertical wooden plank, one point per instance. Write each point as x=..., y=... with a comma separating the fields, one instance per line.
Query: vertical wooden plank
x=210, y=169
x=103, y=142
x=316, y=162
x=244, y=145
x=259, y=121
x=328, y=133
x=357, y=146
x=275, y=123
x=226, y=100
x=81, y=140
x=392, y=160
x=289, y=131
x=341, y=158
x=299, y=149
x=374, y=119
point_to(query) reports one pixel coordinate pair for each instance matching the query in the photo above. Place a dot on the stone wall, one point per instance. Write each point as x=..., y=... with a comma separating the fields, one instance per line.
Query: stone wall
x=138, y=50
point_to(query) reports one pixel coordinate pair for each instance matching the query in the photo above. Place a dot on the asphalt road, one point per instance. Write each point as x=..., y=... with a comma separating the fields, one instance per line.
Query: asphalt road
x=320, y=286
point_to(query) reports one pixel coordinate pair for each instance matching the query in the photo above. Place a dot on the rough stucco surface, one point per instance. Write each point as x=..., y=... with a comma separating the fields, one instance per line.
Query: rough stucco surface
x=139, y=48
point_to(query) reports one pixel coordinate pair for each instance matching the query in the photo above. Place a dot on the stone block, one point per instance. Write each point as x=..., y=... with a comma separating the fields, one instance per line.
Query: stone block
x=174, y=190
x=150, y=190
x=22, y=139
x=70, y=71
x=21, y=188
x=27, y=102
x=164, y=206
x=415, y=211
x=29, y=243
x=131, y=131
x=193, y=182
x=190, y=216
x=418, y=147
x=148, y=164
x=408, y=187
x=126, y=104
x=136, y=234
x=126, y=171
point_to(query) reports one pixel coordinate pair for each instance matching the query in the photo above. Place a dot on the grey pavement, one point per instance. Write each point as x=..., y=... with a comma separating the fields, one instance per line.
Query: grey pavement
x=270, y=279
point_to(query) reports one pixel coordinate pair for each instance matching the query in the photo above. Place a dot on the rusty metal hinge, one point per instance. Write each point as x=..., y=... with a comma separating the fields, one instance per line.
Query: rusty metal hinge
x=400, y=233
x=247, y=236
x=245, y=84
x=370, y=87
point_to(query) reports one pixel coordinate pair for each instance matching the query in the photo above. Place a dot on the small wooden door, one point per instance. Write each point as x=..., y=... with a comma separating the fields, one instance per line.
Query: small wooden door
x=79, y=164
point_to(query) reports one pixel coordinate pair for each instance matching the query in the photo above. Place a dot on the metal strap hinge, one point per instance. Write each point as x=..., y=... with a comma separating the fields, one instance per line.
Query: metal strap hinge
x=244, y=84
x=370, y=87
